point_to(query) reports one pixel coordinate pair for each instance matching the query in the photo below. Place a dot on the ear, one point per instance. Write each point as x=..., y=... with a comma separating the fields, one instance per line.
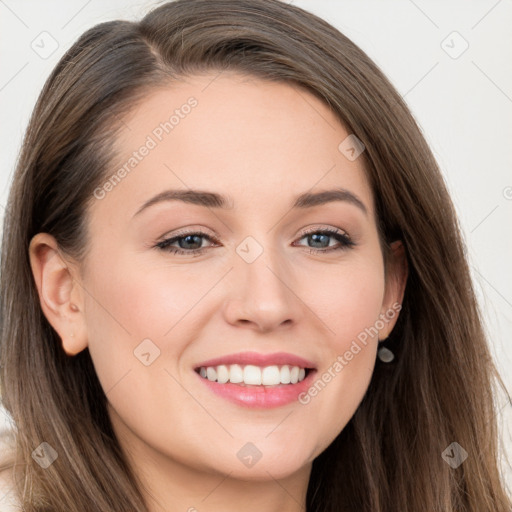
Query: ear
x=60, y=294
x=397, y=272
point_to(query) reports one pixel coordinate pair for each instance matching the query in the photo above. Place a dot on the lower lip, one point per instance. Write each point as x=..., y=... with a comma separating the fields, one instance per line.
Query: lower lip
x=260, y=397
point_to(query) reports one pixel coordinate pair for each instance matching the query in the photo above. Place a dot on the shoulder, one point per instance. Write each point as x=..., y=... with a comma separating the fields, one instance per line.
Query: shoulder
x=8, y=498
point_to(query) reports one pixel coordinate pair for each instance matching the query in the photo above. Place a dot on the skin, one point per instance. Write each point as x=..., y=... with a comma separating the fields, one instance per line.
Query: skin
x=263, y=144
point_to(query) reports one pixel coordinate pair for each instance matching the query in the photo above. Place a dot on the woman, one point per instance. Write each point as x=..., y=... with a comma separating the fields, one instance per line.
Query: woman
x=317, y=347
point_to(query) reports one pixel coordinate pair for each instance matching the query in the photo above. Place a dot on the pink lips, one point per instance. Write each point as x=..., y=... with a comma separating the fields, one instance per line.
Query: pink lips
x=243, y=358
x=262, y=397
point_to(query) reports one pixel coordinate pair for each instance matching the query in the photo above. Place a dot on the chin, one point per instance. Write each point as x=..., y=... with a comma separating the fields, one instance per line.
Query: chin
x=266, y=463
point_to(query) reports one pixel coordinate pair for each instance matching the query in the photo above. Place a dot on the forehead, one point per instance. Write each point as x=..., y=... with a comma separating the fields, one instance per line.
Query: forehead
x=249, y=139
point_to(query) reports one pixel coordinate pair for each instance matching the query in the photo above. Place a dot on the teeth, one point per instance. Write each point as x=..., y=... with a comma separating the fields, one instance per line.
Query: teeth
x=253, y=375
x=271, y=376
x=211, y=373
x=222, y=374
x=285, y=375
x=294, y=375
x=236, y=374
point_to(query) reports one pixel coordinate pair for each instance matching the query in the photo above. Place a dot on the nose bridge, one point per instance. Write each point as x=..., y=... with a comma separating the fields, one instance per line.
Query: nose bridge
x=262, y=292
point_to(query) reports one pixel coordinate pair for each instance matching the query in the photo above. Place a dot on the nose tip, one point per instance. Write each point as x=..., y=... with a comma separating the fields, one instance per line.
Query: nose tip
x=261, y=298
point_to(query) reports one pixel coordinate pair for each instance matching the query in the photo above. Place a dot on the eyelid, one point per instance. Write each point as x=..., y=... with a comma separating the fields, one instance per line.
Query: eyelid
x=193, y=228
x=317, y=228
x=189, y=230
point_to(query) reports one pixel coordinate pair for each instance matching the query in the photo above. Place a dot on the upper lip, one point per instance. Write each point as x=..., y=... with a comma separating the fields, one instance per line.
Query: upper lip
x=257, y=359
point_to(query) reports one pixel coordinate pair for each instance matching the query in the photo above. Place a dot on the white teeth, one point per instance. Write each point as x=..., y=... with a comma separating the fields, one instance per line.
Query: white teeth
x=285, y=374
x=271, y=376
x=253, y=375
x=236, y=374
x=211, y=373
x=222, y=374
x=294, y=375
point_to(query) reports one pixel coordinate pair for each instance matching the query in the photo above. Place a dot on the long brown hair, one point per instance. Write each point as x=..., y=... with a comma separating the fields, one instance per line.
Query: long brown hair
x=440, y=387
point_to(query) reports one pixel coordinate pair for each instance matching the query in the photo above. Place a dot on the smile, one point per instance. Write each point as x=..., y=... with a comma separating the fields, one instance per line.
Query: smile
x=256, y=380
x=254, y=375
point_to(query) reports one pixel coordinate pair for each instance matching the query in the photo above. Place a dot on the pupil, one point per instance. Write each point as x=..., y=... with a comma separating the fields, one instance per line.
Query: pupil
x=187, y=239
x=316, y=237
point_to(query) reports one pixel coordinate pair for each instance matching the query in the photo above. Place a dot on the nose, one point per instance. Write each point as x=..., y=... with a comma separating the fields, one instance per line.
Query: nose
x=261, y=295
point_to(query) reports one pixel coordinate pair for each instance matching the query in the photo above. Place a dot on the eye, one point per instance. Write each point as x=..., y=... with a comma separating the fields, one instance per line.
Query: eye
x=320, y=239
x=189, y=243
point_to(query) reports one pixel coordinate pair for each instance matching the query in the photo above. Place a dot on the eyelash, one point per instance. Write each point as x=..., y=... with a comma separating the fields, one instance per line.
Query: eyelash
x=340, y=236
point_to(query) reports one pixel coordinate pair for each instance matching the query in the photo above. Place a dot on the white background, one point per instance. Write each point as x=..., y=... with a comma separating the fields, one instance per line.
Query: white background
x=463, y=104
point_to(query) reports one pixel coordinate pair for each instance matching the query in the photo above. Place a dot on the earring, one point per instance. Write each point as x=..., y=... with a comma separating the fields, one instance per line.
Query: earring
x=384, y=354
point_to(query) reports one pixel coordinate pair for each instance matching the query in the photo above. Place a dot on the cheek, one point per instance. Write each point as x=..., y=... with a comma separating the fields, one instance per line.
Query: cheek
x=131, y=302
x=351, y=309
x=142, y=302
x=348, y=298
x=125, y=307
x=355, y=324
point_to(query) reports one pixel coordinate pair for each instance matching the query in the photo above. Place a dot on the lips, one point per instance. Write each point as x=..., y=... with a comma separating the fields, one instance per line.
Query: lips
x=257, y=359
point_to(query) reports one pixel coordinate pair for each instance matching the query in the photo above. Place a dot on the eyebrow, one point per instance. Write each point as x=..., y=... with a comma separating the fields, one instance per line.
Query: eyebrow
x=215, y=200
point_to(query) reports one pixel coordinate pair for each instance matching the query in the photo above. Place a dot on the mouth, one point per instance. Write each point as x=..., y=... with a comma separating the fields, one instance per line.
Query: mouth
x=257, y=380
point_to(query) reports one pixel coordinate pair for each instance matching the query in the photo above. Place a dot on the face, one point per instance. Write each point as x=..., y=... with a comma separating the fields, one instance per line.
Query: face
x=277, y=276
